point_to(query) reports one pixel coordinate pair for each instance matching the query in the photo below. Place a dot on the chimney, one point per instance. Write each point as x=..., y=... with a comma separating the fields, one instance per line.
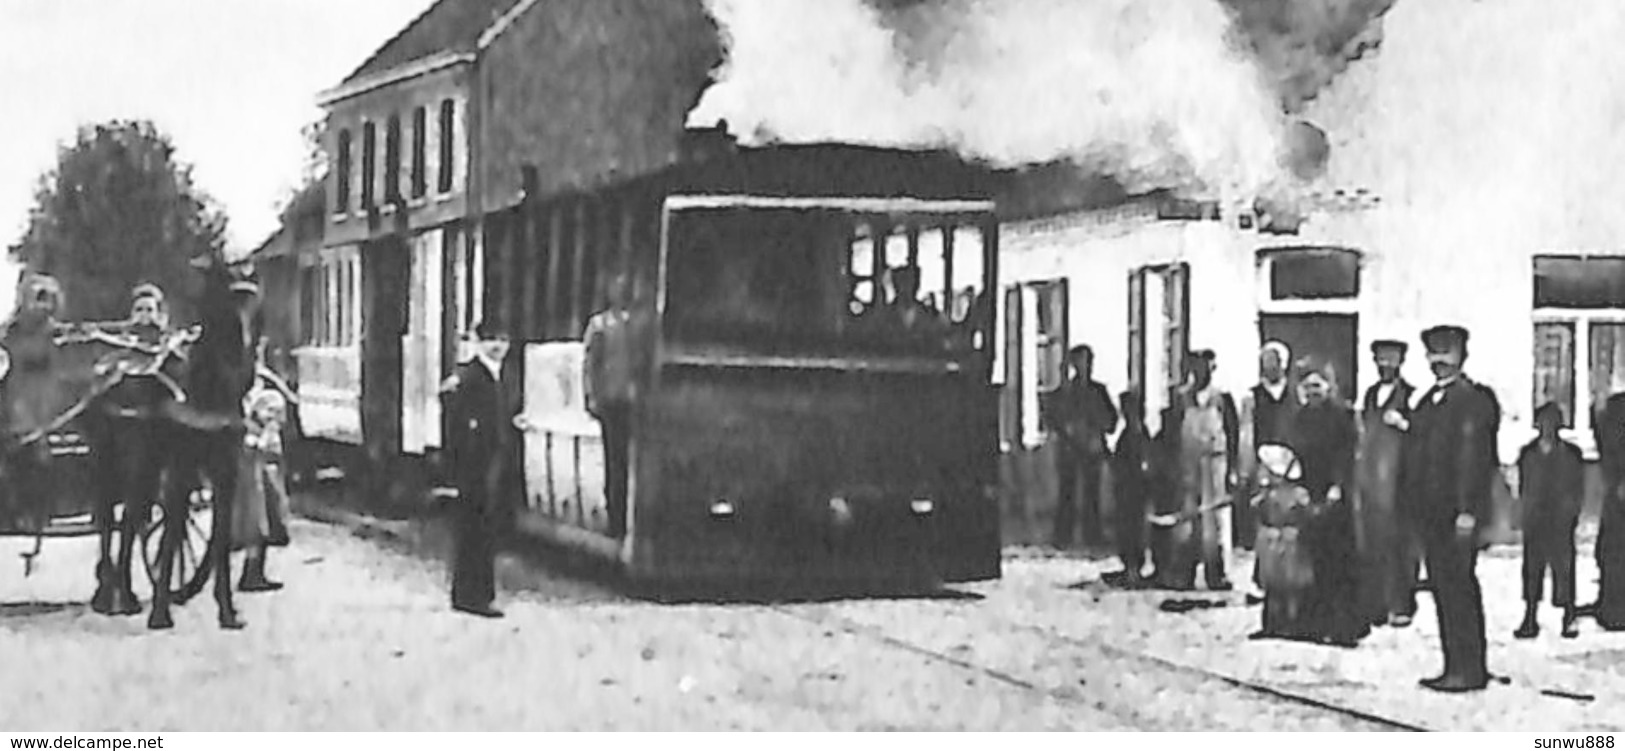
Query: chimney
x=702, y=144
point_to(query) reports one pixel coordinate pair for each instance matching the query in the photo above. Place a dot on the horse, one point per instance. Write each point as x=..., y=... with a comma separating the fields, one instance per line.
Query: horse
x=202, y=433
x=164, y=418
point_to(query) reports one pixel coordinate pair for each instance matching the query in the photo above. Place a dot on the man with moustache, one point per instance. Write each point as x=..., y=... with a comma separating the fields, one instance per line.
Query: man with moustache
x=1448, y=474
x=1385, y=529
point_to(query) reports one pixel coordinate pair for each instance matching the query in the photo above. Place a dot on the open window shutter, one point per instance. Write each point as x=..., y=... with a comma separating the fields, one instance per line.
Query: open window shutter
x=1136, y=332
x=1010, y=401
x=1053, y=304
x=1177, y=312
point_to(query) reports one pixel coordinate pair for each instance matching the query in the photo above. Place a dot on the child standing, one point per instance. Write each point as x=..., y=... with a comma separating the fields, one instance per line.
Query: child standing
x=262, y=520
x=1550, y=486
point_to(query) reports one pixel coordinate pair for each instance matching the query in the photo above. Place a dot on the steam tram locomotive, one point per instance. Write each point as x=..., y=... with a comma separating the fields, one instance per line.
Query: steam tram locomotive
x=811, y=333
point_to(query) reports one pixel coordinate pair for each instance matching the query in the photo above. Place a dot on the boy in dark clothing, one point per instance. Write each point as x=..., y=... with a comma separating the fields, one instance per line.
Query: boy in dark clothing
x=1550, y=486
x=1131, y=467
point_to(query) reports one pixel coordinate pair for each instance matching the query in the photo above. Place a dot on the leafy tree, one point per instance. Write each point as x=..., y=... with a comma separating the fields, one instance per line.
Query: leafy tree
x=313, y=170
x=119, y=210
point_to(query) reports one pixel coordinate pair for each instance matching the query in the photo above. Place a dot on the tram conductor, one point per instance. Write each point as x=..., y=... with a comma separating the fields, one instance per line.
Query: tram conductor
x=1449, y=467
x=482, y=404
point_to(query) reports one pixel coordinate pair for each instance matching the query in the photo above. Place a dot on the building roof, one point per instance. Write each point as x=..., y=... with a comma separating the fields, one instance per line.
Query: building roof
x=447, y=26
x=302, y=224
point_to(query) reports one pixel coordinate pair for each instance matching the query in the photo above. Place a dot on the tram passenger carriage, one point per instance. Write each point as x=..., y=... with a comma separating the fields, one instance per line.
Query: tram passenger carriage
x=791, y=422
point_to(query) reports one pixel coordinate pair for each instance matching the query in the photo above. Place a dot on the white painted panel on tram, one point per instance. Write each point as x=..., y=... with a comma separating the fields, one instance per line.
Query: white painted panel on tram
x=564, y=467
x=420, y=346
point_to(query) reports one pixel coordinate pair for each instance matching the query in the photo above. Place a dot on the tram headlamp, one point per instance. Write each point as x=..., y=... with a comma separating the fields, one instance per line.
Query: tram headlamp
x=922, y=506
x=840, y=511
x=722, y=509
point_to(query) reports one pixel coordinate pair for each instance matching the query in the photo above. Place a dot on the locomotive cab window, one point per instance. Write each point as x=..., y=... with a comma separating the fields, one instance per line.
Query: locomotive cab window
x=823, y=281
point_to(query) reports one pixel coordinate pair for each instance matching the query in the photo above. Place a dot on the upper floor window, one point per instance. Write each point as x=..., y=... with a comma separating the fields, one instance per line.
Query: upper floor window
x=392, y=160
x=369, y=165
x=346, y=169
x=448, y=135
x=420, y=143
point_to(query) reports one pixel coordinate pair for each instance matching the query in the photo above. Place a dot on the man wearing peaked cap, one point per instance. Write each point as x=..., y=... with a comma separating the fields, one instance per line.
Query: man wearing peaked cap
x=1390, y=551
x=1451, y=462
x=1389, y=345
x=1443, y=338
x=482, y=402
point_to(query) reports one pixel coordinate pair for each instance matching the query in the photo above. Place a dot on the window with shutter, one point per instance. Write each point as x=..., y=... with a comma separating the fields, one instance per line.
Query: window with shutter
x=1010, y=404
x=1136, y=332
x=1176, y=316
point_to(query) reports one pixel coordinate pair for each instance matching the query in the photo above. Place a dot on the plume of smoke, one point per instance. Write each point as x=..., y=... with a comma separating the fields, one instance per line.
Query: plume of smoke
x=1152, y=92
x=1303, y=44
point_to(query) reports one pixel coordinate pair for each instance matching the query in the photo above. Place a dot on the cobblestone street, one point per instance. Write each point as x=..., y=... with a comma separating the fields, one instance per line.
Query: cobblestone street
x=361, y=639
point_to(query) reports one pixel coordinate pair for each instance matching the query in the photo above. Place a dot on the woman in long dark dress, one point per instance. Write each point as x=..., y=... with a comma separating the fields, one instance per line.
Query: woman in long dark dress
x=1324, y=436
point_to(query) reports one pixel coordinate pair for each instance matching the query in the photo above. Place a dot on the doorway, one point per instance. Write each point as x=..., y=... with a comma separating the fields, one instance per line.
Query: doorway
x=1333, y=336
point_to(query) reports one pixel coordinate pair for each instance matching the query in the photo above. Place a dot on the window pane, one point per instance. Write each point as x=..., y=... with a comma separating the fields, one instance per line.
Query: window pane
x=1607, y=361
x=369, y=164
x=1314, y=274
x=448, y=125
x=1554, y=367
x=342, y=192
x=1579, y=282
x=968, y=268
x=420, y=144
x=933, y=267
x=392, y=159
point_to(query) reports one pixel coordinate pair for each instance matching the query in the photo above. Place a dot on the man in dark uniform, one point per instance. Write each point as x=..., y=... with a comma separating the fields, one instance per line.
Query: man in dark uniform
x=482, y=403
x=1086, y=417
x=1448, y=473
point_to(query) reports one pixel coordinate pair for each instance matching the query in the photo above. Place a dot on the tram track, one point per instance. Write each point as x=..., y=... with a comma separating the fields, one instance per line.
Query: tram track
x=1304, y=708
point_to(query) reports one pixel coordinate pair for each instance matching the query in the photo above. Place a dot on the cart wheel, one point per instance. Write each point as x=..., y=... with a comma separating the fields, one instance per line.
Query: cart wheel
x=191, y=568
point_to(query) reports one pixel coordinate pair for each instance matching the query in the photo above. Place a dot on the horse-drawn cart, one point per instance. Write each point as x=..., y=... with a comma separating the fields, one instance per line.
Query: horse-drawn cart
x=66, y=404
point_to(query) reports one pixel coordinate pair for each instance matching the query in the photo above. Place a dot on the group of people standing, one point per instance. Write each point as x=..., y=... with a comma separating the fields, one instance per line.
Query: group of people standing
x=1404, y=479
